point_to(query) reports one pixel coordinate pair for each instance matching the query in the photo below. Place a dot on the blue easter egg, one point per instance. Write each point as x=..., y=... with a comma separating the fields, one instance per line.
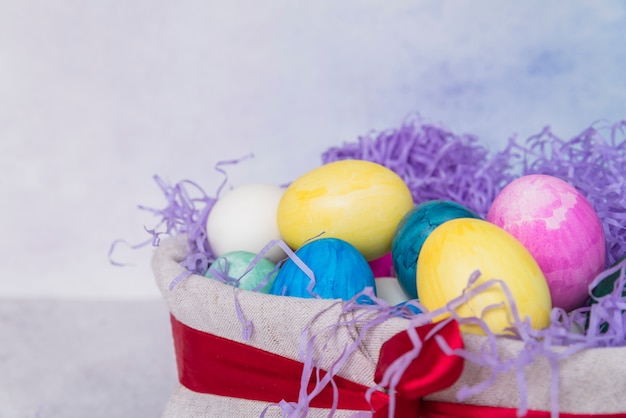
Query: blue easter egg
x=340, y=271
x=413, y=230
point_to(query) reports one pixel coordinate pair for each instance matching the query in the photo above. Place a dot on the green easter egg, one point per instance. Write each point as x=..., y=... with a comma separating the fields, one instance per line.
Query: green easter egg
x=237, y=262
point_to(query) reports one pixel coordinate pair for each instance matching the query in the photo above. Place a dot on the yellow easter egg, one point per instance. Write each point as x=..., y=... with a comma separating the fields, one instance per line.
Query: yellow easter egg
x=358, y=201
x=459, y=247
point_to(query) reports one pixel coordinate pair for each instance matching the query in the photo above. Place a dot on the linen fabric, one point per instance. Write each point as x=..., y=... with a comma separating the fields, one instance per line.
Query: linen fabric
x=591, y=381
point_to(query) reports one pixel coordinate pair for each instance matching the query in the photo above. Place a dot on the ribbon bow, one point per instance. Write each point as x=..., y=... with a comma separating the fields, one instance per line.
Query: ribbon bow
x=430, y=371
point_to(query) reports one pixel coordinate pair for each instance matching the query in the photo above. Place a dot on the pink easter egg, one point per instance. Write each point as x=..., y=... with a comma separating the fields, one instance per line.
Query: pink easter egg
x=560, y=229
x=382, y=266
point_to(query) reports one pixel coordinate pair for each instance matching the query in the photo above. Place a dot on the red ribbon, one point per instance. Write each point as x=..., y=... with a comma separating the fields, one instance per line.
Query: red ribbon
x=433, y=370
x=432, y=409
x=211, y=364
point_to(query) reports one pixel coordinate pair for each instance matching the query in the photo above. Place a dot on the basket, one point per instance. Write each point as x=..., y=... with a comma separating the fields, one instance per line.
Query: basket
x=245, y=332
x=245, y=354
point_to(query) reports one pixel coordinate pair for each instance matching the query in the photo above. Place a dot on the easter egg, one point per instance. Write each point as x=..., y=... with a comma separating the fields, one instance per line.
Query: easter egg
x=606, y=285
x=610, y=283
x=237, y=268
x=458, y=248
x=382, y=266
x=560, y=228
x=340, y=272
x=244, y=219
x=358, y=201
x=413, y=230
x=389, y=290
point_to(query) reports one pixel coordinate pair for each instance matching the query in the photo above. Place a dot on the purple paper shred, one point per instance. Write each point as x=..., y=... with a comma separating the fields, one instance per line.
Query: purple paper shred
x=564, y=337
x=438, y=164
x=186, y=212
x=118, y=242
x=434, y=162
x=594, y=162
x=247, y=324
x=315, y=348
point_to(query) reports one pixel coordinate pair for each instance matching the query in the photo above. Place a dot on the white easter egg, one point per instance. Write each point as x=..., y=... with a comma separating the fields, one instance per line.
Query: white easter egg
x=244, y=219
x=390, y=290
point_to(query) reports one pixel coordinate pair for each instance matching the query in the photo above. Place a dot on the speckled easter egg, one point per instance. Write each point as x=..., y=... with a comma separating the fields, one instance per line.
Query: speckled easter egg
x=413, y=230
x=241, y=265
x=358, y=201
x=340, y=272
x=244, y=219
x=561, y=230
x=458, y=248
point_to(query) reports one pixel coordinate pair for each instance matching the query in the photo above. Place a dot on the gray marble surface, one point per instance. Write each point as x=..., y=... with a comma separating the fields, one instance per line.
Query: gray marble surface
x=78, y=359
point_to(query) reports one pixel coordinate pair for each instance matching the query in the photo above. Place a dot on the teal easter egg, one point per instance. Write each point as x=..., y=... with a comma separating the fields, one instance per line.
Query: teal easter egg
x=233, y=267
x=341, y=272
x=413, y=230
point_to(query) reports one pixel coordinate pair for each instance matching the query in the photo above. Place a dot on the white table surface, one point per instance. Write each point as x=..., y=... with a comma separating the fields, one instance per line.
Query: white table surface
x=84, y=358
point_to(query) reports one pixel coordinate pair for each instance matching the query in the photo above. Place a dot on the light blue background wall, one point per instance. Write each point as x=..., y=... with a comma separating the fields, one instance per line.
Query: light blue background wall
x=96, y=97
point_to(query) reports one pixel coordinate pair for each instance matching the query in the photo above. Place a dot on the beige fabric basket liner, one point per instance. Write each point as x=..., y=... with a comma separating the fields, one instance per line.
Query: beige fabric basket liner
x=592, y=381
